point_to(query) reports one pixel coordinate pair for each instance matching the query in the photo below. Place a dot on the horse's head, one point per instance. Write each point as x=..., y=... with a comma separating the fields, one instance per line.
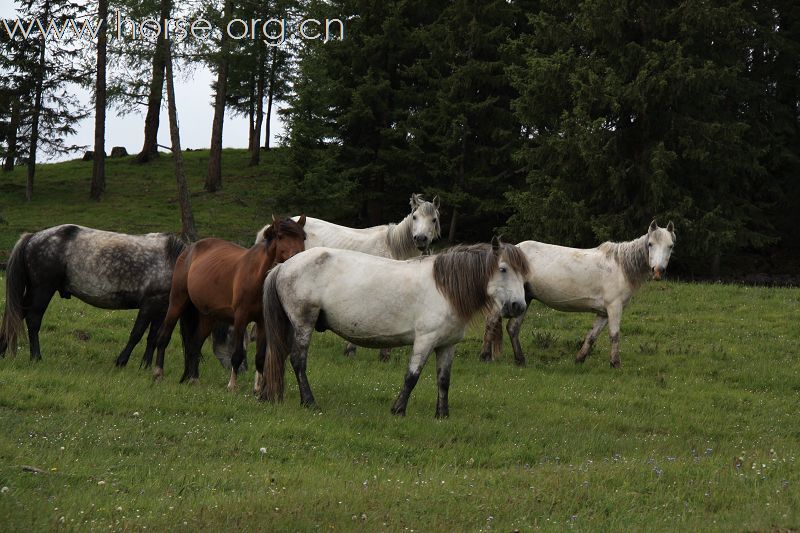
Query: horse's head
x=659, y=247
x=506, y=288
x=425, y=226
x=285, y=237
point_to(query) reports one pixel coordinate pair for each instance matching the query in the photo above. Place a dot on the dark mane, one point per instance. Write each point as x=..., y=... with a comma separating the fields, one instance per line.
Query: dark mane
x=287, y=227
x=173, y=247
x=462, y=274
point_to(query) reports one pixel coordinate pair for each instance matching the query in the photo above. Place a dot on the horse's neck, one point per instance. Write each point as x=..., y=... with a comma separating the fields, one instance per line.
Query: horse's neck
x=399, y=239
x=633, y=258
x=266, y=256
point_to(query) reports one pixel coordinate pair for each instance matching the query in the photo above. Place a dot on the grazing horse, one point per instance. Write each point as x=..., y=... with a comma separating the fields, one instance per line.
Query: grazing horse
x=378, y=302
x=215, y=280
x=104, y=269
x=409, y=238
x=599, y=280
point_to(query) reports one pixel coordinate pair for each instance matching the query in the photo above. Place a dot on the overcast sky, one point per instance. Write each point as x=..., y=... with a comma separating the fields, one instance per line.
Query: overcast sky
x=195, y=115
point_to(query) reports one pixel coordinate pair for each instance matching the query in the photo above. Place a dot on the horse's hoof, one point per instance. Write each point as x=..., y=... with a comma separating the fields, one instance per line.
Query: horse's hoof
x=398, y=411
x=616, y=364
x=158, y=375
x=232, y=388
x=520, y=362
x=486, y=357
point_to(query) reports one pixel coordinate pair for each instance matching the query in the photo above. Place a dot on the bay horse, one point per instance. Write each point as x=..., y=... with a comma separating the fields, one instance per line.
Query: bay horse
x=216, y=280
x=377, y=302
x=599, y=280
x=102, y=268
x=411, y=237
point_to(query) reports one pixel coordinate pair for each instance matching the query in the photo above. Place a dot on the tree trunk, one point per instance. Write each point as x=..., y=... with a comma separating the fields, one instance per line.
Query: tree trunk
x=252, y=138
x=37, y=106
x=188, y=230
x=214, y=176
x=151, y=121
x=270, y=95
x=13, y=127
x=451, y=235
x=99, y=168
x=255, y=155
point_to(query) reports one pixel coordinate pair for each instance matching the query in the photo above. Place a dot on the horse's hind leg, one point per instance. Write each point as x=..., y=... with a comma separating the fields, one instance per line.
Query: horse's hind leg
x=191, y=368
x=36, y=307
x=298, y=358
x=599, y=323
x=350, y=349
x=492, y=337
x=139, y=327
x=385, y=355
x=419, y=356
x=150, y=346
x=444, y=361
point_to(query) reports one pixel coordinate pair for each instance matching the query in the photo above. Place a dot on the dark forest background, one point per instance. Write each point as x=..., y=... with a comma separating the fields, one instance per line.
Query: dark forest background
x=565, y=121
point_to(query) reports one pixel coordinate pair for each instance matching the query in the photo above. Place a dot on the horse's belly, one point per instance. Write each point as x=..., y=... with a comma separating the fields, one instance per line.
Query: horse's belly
x=370, y=333
x=106, y=300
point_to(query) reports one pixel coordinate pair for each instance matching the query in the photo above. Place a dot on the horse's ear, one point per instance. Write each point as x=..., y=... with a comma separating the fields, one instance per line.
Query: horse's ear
x=671, y=229
x=653, y=226
x=414, y=200
x=302, y=220
x=436, y=201
x=269, y=233
x=496, y=245
x=274, y=220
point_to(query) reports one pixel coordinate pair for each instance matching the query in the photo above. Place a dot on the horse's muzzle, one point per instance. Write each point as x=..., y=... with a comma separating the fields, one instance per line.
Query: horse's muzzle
x=421, y=241
x=658, y=272
x=513, y=309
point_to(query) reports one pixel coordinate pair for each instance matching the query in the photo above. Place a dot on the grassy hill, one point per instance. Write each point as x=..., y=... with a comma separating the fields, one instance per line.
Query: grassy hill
x=143, y=198
x=698, y=430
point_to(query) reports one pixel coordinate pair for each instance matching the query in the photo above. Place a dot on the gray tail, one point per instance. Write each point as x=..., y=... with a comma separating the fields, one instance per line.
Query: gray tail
x=16, y=283
x=280, y=338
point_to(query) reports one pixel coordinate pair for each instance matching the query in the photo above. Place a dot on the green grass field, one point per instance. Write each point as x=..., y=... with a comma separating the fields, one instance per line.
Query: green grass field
x=699, y=430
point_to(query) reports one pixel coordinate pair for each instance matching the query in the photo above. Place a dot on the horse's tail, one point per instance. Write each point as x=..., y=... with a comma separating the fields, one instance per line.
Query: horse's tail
x=280, y=335
x=16, y=283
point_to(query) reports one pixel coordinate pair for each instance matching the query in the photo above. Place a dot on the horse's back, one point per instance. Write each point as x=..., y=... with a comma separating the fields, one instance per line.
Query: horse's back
x=569, y=279
x=370, y=300
x=103, y=268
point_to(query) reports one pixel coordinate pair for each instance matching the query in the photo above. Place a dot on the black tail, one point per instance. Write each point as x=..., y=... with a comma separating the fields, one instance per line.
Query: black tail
x=280, y=338
x=16, y=283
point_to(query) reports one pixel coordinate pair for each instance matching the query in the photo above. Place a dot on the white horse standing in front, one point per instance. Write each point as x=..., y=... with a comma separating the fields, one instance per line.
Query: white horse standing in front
x=600, y=280
x=378, y=302
x=409, y=238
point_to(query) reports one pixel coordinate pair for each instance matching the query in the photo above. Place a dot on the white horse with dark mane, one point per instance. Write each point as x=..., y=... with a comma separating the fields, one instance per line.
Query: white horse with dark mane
x=599, y=280
x=378, y=302
x=409, y=238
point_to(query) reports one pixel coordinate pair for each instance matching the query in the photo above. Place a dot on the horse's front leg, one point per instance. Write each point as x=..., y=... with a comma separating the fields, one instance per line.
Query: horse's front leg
x=419, y=355
x=385, y=355
x=513, y=327
x=599, y=323
x=492, y=337
x=614, y=318
x=239, y=355
x=139, y=327
x=444, y=361
x=261, y=355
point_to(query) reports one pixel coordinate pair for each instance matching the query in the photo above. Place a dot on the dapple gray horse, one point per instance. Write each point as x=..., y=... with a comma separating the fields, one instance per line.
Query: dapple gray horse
x=104, y=269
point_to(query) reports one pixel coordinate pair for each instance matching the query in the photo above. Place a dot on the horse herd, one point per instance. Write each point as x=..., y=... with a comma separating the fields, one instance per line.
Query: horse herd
x=377, y=287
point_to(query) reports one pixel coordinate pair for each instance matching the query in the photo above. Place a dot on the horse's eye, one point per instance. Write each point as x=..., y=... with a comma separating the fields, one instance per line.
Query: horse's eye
x=503, y=270
x=650, y=244
x=414, y=217
x=434, y=221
